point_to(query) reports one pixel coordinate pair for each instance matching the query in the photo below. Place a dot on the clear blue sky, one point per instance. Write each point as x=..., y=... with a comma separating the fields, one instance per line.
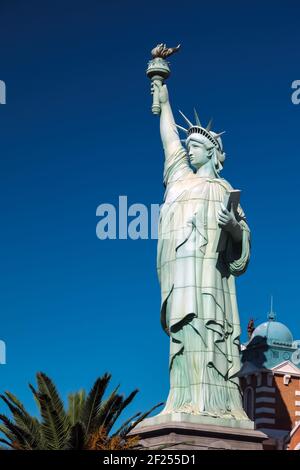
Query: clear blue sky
x=77, y=131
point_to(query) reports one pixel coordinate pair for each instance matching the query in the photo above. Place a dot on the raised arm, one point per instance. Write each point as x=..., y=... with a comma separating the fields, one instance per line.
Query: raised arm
x=176, y=160
x=168, y=130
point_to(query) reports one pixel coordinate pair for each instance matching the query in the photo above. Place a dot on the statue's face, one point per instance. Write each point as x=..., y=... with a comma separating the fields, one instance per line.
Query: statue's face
x=199, y=150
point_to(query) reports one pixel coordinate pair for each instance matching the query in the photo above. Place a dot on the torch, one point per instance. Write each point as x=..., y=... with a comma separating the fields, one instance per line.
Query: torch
x=158, y=70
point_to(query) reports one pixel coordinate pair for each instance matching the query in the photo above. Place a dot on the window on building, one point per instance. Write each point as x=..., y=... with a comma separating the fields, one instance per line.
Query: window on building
x=286, y=379
x=249, y=402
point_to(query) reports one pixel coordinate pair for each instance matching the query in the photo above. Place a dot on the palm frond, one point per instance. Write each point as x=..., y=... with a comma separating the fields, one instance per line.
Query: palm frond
x=77, y=437
x=25, y=421
x=9, y=444
x=55, y=428
x=118, y=410
x=47, y=387
x=19, y=435
x=107, y=409
x=130, y=427
x=125, y=424
x=93, y=401
x=76, y=402
x=35, y=396
x=7, y=432
x=14, y=400
x=86, y=424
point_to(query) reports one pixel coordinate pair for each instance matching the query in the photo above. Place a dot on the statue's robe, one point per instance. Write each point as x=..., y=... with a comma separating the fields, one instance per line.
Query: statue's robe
x=199, y=308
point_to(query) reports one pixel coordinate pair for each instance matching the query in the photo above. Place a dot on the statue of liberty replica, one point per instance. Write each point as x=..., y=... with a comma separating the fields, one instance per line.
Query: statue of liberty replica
x=203, y=245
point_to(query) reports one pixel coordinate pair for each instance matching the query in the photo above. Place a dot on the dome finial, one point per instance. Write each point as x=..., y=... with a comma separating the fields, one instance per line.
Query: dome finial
x=271, y=315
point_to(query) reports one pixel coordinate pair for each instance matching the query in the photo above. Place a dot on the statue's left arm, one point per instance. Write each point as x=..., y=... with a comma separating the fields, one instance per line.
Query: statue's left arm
x=238, y=246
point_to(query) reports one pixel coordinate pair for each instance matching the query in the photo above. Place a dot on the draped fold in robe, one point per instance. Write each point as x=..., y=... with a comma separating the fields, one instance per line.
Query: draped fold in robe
x=199, y=309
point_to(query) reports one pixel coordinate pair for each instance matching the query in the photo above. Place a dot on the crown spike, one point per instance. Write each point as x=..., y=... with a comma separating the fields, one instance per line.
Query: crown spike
x=219, y=134
x=197, y=118
x=209, y=125
x=186, y=119
x=181, y=128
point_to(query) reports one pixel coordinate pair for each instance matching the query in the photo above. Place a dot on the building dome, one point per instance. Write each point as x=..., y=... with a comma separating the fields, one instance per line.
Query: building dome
x=273, y=331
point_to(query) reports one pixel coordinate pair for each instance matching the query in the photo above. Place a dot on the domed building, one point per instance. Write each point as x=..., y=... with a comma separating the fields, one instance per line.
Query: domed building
x=274, y=331
x=270, y=381
x=270, y=344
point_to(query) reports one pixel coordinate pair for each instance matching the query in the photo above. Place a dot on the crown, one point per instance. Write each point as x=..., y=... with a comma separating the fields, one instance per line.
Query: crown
x=197, y=128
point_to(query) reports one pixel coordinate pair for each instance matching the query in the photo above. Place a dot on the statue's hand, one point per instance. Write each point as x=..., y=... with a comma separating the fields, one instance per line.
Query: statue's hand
x=161, y=90
x=228, y=222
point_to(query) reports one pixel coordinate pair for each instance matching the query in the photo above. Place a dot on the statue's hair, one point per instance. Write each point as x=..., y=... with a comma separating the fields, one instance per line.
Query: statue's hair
x=218, y=160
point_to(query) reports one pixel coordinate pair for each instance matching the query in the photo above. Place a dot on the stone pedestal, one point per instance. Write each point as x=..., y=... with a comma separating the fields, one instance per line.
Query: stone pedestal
x=188, y=432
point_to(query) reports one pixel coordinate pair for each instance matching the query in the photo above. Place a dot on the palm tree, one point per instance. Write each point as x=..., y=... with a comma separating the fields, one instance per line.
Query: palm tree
x=86, y=424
